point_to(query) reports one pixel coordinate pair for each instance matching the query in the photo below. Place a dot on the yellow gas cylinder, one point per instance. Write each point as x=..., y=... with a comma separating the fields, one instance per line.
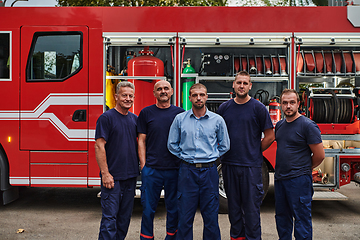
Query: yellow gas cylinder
x=110, y=89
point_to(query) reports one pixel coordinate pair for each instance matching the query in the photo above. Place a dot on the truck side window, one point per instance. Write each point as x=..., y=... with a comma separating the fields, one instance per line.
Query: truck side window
x=54, y=56
x=4, y=55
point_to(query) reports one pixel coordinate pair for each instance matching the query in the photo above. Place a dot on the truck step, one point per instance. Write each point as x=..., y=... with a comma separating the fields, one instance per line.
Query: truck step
x=328, y=195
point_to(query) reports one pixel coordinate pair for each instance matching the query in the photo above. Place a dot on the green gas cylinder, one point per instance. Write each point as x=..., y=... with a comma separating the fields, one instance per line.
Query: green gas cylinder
x=187, y=83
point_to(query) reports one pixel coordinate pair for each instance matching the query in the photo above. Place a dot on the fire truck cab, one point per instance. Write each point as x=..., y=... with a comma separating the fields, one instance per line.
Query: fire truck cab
x=59, y=66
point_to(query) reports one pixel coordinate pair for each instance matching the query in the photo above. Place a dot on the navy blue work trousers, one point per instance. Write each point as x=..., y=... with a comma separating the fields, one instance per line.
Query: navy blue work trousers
x=293, y=202
x=153, y=180
x=244, y=191
x=198, y=187
x=117, y=205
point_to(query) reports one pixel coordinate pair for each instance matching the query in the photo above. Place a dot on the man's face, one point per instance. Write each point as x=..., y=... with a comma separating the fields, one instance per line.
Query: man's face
x=125, y=97
x=163, y=91
x=242, y=86
x=289, y=104
x=198, y=97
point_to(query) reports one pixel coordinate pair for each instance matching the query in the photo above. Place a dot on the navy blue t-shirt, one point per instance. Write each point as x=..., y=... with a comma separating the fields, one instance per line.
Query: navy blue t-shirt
x=245, y=123
x=119, y=132
x=293, y=154
x=155, y=123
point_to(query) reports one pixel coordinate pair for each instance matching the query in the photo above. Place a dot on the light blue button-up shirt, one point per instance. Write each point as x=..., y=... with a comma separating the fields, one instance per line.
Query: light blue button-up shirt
x=198, y=140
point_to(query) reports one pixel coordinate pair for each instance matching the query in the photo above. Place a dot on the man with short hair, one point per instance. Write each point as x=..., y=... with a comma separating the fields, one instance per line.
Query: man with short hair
x=299, y=150
x=198, y=137
x=159, y=167
x=246, y=119
x=116, y=155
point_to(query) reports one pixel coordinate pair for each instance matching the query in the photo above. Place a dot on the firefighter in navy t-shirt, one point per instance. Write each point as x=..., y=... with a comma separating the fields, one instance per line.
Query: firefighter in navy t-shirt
x=246, y=120
x=116, y=155
x=299, y=150
x=159, y=167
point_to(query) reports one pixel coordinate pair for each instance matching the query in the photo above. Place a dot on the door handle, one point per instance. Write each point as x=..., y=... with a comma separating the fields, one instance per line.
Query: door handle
x=79, y=115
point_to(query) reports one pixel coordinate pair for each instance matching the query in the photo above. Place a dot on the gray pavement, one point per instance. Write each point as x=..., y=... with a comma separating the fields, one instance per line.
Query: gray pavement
x=74, y=213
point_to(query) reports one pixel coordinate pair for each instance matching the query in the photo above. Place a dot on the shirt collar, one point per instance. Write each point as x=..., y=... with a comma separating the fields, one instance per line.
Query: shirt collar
x=205, y=116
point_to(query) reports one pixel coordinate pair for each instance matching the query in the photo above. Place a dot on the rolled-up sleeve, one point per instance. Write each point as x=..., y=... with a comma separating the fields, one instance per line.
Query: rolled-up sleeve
x=174, y=138
x=223, y=137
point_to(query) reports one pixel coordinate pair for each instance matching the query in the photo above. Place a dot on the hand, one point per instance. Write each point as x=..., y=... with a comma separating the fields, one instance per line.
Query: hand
x=142, y=166
x=108, y=181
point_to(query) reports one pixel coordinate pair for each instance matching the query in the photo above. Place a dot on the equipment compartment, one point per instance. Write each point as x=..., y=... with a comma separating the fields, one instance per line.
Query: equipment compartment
x=141, y=59
x=217, y=58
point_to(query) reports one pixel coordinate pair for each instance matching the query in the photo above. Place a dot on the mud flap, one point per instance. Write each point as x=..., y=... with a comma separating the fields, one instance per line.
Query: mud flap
x=10, y=195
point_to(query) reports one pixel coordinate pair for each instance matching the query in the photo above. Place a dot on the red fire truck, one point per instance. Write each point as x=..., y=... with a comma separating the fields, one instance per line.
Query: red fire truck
x=58, y=68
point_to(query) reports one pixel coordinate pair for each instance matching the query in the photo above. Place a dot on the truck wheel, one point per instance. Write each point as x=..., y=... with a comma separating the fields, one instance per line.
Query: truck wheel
x=223, y=205
x=9, y=193
x=265, y=178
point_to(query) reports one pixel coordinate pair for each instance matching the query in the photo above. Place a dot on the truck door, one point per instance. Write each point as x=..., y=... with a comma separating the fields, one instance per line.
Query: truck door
x=54, y=103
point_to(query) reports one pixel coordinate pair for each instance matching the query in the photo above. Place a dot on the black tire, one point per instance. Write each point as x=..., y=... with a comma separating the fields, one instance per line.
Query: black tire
x=223, y=204
x=8, y=193
x=265, y=178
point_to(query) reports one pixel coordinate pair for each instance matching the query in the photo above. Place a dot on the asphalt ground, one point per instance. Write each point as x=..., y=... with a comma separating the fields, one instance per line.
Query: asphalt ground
x=75, y=213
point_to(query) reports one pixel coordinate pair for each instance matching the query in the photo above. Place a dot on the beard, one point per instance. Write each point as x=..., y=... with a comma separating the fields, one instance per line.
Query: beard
x=197, y=106
x=291, y=114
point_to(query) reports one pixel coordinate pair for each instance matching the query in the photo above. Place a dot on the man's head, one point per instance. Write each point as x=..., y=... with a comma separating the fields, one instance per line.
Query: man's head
x=198, y=95
x=163, y=91
x=290, y=102
x=242, y=84
x=125, y=95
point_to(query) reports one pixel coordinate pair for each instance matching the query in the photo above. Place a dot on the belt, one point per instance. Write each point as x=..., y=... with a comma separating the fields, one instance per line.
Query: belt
x=200, y=165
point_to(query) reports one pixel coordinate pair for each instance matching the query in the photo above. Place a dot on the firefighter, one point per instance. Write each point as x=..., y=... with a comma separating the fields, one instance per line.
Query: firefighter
x=198, y=137
x=299, y=150
x=246, y=119
x=116, y=155
x=159, y=168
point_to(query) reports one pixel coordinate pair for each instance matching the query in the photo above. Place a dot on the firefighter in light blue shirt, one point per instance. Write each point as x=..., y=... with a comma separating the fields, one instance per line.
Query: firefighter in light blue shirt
x=198, y=137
